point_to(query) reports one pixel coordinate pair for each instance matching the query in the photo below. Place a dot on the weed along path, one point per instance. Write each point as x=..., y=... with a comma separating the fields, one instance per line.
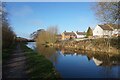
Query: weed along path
x=15, y=67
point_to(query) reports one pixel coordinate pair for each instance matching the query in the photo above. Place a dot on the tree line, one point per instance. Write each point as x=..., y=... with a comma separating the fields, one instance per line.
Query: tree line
x=8, y=35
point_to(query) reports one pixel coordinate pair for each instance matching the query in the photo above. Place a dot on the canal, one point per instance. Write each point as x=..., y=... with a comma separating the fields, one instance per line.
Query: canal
x=80, y=64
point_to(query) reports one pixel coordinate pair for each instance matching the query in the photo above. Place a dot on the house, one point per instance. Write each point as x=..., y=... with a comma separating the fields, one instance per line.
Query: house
x=68, y=35
x=116, y=30
x=116, y=33
x=59, y=37
x=102, y=31
x=107, y=30
x=80, y=34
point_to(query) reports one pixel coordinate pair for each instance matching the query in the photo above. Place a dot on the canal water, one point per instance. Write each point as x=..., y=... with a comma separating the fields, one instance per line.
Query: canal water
x=81, y=64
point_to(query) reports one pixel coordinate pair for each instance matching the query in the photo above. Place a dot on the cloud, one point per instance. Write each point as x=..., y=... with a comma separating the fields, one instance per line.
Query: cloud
x=22, y=11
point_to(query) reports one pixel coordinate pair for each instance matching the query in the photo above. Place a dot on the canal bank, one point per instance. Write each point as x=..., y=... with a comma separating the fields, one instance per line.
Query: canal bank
x=109, y=46
x=80, y=64
x=38, y=66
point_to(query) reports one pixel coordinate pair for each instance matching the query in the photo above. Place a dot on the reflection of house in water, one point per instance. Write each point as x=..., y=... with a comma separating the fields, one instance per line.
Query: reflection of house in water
x=98, y=58
x=97, y=62
x=106, y=60
x=89, y=58
x=89, y=55
x=75, y=54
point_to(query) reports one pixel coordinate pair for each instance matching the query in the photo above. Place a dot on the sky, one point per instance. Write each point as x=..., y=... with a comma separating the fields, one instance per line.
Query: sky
x=60, y=0
x=27, y=17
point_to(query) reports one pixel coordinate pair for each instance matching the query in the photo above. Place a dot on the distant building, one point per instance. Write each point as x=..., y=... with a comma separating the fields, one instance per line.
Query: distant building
x=80, y=34
x=107, y=30
x=68, y=35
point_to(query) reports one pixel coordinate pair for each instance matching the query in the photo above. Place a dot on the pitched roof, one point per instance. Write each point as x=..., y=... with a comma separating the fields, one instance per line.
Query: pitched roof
x=59, y=35
x=106, y=27
x=69, y=33
x=80, y=33
x=115, y=26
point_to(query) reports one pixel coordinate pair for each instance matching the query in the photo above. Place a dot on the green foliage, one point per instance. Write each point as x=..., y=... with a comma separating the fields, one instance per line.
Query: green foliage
x=89, y=32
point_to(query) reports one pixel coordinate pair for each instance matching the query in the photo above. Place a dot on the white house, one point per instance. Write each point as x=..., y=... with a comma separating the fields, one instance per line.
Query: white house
x=80, y=34
x=116, y=30
x=102, y=31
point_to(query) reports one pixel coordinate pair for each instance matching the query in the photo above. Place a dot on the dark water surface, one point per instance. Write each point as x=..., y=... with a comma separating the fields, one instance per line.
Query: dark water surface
x=81, y=64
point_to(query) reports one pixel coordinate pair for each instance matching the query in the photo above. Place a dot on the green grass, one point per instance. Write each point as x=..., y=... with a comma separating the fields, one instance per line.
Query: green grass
x=38, y=66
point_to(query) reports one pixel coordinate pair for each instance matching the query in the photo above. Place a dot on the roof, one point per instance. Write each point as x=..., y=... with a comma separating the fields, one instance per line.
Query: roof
x=69, y=33
x=110, y=26
x=106, y=27
x=80, y=33
x=115, y=26
x=59, y=35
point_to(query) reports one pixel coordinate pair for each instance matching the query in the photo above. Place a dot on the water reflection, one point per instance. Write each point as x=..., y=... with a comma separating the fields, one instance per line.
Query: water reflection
x=32, y=45
x=80, y=64
x=100, y=59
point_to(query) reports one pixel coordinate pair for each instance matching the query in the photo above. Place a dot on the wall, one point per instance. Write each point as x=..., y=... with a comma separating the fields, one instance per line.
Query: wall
x=98, y=31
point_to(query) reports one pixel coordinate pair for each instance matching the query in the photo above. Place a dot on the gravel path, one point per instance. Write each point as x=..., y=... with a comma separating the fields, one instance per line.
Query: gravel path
x=16, y=65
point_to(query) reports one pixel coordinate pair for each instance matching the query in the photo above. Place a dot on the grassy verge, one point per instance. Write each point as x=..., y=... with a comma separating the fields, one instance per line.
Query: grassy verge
x=38, y=66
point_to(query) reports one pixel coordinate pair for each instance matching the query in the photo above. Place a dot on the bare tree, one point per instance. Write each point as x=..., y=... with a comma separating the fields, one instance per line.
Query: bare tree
x=53, y=31
x=48, y=36
x=107, y=12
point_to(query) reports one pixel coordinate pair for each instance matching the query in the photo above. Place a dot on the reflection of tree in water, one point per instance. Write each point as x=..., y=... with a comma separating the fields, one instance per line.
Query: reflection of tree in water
x=100, y=59
x=119, y=72
x=48, y=52
x=54, y=57
x=103, y=59
x=107, y=71
x=107, y=60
